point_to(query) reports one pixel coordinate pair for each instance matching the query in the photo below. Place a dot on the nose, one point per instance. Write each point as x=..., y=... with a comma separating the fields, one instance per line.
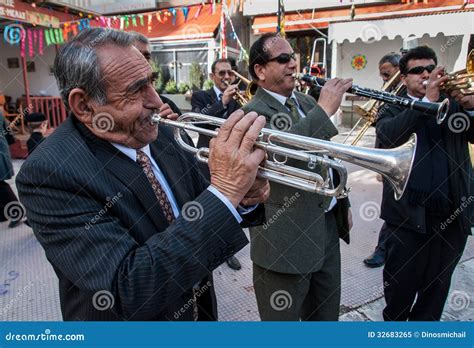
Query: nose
x=151, y=98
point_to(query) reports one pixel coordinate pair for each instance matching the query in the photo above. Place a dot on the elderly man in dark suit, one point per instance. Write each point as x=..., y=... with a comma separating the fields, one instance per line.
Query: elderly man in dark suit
x=296, y=257
x=131, y=228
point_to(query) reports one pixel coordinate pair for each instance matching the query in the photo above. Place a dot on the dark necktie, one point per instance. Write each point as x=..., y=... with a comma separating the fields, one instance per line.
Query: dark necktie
x=160, y=194
x=165, y=204
x=290, y=104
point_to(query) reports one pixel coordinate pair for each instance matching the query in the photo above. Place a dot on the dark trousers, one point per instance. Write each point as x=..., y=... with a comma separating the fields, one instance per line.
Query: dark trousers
x=383, y=236
x=313, y=296
x=6, y=196
x=420, y=266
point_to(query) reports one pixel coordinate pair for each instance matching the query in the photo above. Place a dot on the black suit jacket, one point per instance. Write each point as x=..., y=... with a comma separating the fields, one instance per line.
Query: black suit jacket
x=394, y=127
x=98, y=220
x=35, y=139
x=206, y=102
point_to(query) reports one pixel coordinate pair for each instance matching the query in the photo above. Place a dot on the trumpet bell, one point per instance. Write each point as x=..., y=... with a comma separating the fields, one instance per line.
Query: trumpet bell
x=462, y=80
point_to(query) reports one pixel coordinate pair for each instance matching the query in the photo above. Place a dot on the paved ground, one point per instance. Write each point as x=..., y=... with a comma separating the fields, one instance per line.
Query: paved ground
x=28, y=285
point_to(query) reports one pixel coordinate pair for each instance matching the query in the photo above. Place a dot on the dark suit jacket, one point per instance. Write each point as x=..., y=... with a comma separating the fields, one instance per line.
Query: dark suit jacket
x=35, y=139
x=293, y=239
x=98, y=220
x=394, y=127
x=206, y=102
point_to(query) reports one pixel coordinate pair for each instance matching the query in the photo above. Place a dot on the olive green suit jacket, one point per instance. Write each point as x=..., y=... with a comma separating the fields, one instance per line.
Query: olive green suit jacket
x=293, y=238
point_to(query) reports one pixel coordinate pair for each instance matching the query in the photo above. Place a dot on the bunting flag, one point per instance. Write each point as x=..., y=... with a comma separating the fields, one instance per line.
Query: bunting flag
x=158, y=17
x=40, y=42
x=142, y=21
x=173, y=13
x=185, y=13
x=30, y=42
x=223, y=46
x=198, y=12
x=281, y=18
x=150, y=20
x=134, y=20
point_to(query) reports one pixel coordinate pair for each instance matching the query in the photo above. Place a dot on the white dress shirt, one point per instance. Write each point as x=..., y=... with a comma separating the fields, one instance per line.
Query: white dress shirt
x=132, y=154
x=282, y=100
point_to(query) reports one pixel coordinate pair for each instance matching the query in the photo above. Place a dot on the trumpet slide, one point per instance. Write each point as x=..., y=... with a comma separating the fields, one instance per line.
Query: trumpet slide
x=440, y=110
x=394, y=164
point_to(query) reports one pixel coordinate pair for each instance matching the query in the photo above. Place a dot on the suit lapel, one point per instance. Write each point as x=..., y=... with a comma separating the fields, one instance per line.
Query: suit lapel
x=269, y=101
x=169, y=163
x=128, y=172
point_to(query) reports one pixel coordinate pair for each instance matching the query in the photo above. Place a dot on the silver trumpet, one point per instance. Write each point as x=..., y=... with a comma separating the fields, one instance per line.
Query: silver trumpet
x=394, y=164
x=440, y=110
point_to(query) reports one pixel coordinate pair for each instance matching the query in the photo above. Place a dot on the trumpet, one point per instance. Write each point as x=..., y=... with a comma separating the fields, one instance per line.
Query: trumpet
x=239, y=97
x=394, y=164
x=461, y=80
x=440, y=110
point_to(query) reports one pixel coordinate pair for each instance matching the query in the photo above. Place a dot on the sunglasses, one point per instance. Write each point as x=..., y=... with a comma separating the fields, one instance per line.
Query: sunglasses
x=417, y=70
x=222, y=73
x=283, y=58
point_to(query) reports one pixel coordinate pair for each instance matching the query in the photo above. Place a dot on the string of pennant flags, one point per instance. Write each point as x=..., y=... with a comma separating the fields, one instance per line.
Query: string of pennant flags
x=33, y=40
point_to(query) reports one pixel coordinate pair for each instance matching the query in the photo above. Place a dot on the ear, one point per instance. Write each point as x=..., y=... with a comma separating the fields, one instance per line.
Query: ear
x=402, y=78
x=260, y=71
x=211, y=76
x=80, y=104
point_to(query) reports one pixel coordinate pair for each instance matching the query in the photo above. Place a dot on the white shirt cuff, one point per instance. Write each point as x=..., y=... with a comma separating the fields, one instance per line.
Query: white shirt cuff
x=245, y=210
x=470, y=112
x=226, y=202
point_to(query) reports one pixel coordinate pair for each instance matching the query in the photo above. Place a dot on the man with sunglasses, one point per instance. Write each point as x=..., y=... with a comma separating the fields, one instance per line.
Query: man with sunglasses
x=429, y=225
x=296, y=257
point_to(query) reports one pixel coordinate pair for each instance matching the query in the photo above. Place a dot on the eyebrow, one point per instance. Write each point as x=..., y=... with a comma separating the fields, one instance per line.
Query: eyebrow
x=137, y=85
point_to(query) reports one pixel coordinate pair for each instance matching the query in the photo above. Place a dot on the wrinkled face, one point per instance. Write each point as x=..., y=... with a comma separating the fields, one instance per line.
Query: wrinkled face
x=387, y=70
x=276, y=76
x=222, y=76
x=131, y=98
x=144, y=49
x=414, y=82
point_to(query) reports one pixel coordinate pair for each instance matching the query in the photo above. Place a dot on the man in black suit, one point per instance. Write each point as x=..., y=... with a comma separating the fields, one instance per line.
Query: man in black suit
x=429, y=225
x=131, y=228
x=217, y=101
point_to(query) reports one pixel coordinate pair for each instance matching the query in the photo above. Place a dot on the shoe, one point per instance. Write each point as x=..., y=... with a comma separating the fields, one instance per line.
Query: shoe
x=14, y=223
x=233, y=263
x=375, y=260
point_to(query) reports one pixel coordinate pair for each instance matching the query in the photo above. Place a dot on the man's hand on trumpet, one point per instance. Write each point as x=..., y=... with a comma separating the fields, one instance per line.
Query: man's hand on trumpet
x=436, y=78
x=229, y=94
x=331, y=94
x=165, y=111
x=234, y=161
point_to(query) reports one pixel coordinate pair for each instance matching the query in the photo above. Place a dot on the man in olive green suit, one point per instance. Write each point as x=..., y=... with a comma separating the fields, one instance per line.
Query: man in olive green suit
x=296, y=257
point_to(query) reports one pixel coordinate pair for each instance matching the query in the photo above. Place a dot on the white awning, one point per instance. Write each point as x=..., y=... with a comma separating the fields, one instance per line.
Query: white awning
x=450, y=24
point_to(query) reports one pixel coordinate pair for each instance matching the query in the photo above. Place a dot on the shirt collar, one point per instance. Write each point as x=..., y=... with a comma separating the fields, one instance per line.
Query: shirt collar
x=412, y=97
x=218, y=91
x=281, y=98
x=132, y=153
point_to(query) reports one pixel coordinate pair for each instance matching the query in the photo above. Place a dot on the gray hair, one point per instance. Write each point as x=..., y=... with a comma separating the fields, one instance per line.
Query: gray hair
x=392, y=58
x=139, y=37
x=77, y=66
